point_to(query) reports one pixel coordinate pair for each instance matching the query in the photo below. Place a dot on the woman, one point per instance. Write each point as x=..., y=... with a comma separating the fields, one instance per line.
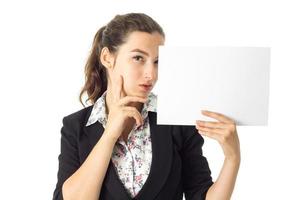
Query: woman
x=114, y=149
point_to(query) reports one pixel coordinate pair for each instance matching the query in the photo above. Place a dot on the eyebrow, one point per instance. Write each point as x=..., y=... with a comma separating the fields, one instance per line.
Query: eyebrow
x=141, y=51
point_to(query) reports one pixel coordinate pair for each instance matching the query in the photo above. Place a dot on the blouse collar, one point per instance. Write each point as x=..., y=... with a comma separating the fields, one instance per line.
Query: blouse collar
x=99, y=109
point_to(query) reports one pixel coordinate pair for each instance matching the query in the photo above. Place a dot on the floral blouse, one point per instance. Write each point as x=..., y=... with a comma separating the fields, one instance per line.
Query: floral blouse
x=132, y=161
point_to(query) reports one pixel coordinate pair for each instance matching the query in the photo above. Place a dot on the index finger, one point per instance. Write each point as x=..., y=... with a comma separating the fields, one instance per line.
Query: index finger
x=117, y=87
x=121, y=92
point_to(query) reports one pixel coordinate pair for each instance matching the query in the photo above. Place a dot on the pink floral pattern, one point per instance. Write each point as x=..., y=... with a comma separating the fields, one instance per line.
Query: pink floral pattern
x=132, y=161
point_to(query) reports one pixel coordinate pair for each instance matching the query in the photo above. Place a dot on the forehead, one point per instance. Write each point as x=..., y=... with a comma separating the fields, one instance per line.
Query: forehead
x=142, y=40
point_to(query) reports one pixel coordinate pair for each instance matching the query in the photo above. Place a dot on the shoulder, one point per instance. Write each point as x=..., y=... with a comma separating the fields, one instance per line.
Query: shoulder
x=185, y=136
x=191, y=135
x=77, y=118
x=184, y=131
x=181, y=133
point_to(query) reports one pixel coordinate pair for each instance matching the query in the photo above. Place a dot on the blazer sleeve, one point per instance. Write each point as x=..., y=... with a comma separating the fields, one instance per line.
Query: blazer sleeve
x=68, y=158
x=196, y=172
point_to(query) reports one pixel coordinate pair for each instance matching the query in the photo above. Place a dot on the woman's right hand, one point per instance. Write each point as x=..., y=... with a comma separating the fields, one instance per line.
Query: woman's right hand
x=119, y=111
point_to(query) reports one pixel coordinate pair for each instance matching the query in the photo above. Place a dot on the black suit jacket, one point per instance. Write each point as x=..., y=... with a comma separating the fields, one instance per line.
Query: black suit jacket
x=178, y=165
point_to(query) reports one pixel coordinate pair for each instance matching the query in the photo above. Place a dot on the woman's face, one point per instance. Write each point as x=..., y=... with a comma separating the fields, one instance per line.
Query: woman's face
x=137, y=62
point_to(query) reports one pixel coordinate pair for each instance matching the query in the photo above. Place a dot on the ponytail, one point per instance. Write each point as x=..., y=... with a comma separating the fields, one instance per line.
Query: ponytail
x=95, y=73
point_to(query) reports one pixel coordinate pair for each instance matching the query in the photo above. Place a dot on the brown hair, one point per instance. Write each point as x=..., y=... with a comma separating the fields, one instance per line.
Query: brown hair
x=112, y=35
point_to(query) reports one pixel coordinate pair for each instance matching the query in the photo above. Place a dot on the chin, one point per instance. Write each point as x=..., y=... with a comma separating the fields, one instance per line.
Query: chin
x=140, y=93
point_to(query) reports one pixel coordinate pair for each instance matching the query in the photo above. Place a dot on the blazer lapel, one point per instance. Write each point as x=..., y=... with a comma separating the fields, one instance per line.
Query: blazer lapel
x=161, y=141
x=162, y=156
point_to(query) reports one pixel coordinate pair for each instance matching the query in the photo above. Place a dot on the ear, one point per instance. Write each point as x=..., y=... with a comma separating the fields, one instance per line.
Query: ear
x=106, y=58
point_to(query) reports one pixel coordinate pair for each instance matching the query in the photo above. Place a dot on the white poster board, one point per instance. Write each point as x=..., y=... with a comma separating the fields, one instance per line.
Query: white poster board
x=233, y=81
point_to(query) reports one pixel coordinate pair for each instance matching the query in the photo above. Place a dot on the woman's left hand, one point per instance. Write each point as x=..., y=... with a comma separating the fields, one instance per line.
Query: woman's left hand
x=224, y=131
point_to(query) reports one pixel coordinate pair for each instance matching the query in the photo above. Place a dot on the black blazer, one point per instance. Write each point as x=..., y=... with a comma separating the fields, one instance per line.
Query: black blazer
x=178, y=165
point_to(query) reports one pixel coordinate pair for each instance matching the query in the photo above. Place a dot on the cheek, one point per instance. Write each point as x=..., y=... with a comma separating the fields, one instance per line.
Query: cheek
x=156, y=75
x=131, y=79
x=133, y=74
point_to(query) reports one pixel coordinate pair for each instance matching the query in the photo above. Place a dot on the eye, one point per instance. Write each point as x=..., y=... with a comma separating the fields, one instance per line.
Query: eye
x=156, y=62
x=137, y=57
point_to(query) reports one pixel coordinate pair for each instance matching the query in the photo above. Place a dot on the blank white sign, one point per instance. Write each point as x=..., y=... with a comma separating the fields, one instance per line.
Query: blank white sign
x=233, y=81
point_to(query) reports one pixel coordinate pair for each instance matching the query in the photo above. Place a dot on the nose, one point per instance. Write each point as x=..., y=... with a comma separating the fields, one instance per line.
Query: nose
x=150, y=72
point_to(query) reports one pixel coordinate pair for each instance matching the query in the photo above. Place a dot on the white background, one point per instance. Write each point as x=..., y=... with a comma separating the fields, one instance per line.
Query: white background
x=43, y=49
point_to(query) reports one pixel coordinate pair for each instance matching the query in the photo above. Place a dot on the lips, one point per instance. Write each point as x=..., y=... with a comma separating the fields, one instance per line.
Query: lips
x=146, y=87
